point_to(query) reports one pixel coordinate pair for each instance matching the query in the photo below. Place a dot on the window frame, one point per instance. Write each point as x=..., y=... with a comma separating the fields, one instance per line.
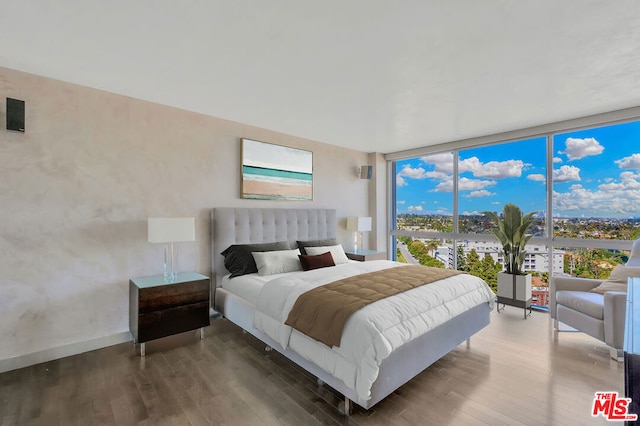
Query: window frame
x=548, y=131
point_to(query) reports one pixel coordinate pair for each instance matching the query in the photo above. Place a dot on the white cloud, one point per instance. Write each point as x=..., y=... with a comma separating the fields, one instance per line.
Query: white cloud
x=410, y=172
x=401, y=202
x=576, y=149
x=537, y=177
x=414, y=208
x=631, y=162
x=628, y=181
x=443, y=162
x=566, y=174
x=464, y=184
x=621, y=197
x=480, y=193
x=443, y=169
x=557, y=160
x=492, y=169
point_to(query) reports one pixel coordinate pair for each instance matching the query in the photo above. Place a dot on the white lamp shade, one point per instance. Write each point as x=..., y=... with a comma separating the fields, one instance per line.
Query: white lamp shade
x=358, y=224
x=171, y=229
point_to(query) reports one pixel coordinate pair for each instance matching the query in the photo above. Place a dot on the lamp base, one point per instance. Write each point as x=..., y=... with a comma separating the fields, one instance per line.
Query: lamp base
x=358, y=242
x=170, y=266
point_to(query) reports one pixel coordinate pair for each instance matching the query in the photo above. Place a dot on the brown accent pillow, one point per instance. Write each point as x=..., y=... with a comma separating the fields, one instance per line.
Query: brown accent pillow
x=617, y=281
x=318, y=261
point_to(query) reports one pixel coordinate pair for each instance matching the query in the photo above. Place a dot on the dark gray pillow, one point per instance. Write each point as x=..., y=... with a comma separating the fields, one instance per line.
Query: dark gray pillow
x=316, y=243
x=239, y=261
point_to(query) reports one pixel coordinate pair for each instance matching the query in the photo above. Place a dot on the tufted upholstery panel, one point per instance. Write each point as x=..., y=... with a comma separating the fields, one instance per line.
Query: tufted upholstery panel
x=245, y=225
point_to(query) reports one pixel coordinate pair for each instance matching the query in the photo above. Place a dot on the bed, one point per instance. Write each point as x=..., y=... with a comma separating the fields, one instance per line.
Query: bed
x=237, y=300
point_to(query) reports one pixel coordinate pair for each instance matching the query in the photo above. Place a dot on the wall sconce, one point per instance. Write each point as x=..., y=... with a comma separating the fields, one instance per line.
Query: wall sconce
x=15, y=115
x=365, y=172
x=170, y=230
x=359, y=225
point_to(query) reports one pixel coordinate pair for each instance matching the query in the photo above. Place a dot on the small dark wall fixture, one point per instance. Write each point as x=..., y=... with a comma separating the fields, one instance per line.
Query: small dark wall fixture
x=15, y=115
x=366, y=172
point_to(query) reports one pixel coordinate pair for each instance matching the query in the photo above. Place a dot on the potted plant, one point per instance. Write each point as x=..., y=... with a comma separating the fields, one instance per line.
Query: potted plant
x=514, y=286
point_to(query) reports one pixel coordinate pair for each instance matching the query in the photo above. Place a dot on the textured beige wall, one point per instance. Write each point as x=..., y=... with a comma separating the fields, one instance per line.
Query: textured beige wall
x=76, y=190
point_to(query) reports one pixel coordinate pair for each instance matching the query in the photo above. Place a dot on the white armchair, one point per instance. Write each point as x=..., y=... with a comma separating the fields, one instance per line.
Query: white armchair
x=602, y=316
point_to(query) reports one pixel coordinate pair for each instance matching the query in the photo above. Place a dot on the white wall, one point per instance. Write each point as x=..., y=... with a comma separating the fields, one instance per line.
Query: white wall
x=77, y=188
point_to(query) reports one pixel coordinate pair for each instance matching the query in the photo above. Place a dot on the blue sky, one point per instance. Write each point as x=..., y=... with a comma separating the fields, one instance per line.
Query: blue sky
x=596, y=173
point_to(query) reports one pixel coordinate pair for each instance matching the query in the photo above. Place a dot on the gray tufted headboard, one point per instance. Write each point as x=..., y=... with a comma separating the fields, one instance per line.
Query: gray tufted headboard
x=245, y=225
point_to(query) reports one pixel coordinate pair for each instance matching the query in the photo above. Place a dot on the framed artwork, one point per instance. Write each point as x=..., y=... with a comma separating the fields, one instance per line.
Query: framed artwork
x=274, y=172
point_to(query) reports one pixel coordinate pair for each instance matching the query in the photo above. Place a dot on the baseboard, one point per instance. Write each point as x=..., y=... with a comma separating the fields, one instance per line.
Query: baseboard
x=26, y=360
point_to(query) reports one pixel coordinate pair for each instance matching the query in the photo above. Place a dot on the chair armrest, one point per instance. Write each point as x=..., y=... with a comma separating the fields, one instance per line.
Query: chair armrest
x=573, y=283
x=615, y=310
x=568, y=283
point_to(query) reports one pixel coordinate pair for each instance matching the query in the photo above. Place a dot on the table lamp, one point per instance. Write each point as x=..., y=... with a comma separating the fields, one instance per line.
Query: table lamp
x=359, y=225
x=171, y=230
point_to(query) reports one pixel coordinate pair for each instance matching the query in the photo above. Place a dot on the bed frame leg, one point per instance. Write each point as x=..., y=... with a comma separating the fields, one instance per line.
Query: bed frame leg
x=468, y=342
x=345, y=407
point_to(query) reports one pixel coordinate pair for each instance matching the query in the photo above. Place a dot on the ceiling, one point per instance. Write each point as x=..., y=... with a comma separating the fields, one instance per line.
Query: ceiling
x=373, y=75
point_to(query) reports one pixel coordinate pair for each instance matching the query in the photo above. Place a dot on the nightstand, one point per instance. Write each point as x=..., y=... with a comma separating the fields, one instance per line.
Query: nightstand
x=364, y=255
x=158, y=308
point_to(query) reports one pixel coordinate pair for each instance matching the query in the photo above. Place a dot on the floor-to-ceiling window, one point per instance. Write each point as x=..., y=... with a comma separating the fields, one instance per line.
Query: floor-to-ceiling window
x=582, y=184
x=596, y=195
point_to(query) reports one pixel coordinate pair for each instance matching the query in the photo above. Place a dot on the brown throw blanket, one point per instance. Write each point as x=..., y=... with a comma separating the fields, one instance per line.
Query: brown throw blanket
x=321, y=313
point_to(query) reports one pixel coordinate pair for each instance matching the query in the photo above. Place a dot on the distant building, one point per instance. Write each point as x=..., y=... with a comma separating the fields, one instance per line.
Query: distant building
x=536, y=259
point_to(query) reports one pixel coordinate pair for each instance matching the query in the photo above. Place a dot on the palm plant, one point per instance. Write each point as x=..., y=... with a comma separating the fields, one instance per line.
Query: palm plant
x=511, y=232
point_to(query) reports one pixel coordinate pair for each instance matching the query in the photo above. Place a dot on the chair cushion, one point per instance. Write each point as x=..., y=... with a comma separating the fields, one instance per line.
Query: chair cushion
x=588, y=303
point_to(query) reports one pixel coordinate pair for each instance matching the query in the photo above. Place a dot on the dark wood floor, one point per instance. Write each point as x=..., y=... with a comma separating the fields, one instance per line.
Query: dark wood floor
x=515, y=372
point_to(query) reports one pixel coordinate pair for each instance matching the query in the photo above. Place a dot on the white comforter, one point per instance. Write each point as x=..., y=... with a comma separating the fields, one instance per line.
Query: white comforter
x=372, y=332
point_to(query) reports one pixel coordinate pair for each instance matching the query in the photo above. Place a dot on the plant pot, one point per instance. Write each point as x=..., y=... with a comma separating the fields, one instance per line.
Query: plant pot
x=505, y=286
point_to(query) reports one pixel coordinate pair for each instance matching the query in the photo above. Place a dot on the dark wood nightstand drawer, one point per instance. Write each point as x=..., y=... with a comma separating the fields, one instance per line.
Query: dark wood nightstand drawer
x=156, y=324
x=159, y=308
x=170, y=296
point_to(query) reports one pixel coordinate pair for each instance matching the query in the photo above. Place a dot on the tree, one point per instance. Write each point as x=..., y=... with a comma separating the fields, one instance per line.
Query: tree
x=472, y=262
x=406, y=240
x=462, y=264
x=419, y=251
x=432, y=246
x=489, y=272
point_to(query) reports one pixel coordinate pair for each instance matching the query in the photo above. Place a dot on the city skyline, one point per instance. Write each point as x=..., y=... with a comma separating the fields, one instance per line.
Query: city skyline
x=596, y=174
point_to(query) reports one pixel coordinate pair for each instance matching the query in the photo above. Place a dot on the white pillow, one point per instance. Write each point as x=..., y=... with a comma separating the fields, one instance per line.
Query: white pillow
x=337, y=252
x=634, y=256
x=617, y=281
x=277, y=262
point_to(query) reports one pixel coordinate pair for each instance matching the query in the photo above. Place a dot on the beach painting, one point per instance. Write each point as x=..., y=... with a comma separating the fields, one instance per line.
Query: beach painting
x=274, y=172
